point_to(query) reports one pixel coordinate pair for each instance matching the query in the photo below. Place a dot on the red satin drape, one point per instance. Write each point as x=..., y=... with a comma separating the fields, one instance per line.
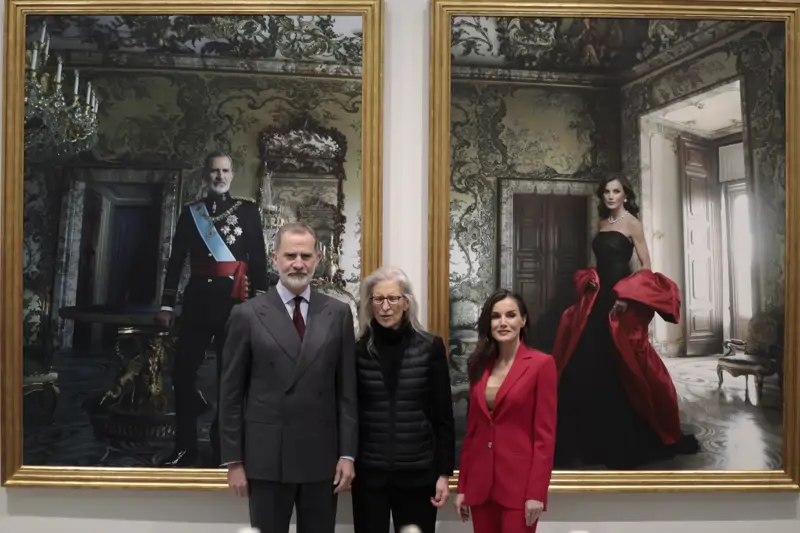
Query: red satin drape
x=644, y=376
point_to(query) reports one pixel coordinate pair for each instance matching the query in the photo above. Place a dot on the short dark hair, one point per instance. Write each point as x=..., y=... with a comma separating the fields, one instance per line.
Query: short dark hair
x=215, y=155
x=298, y=227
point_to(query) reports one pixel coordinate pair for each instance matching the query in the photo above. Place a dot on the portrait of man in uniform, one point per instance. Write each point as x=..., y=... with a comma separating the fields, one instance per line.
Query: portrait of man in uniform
x=223, y=239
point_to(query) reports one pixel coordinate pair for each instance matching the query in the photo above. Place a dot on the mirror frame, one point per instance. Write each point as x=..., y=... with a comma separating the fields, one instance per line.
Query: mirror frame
x=14, y=472
x=786, y=11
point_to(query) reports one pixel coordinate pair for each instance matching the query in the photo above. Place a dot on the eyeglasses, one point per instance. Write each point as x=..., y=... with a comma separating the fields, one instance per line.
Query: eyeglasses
x=393, y=300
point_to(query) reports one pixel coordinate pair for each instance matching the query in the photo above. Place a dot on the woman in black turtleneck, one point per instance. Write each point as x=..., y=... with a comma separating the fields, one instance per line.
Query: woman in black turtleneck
x=406, y=431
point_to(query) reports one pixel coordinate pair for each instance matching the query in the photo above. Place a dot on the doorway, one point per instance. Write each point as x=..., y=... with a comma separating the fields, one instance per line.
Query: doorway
x=697, y=212
x=550, y=244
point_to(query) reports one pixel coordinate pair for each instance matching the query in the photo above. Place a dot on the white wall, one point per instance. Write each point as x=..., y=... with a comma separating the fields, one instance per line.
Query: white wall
x=406, y=125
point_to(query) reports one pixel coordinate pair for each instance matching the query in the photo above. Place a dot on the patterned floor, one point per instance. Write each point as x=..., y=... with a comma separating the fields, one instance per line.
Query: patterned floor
x=734, y=433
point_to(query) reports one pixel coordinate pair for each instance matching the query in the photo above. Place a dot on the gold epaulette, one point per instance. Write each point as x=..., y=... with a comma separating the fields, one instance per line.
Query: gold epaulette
x=244, y=199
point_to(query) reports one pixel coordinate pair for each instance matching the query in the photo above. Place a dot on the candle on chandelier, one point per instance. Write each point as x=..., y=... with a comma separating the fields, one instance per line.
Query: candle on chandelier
x=58, y=72
x=47, y=48
x=75, y=87
x=88, y=92
x=44, y=32
x=34, y=57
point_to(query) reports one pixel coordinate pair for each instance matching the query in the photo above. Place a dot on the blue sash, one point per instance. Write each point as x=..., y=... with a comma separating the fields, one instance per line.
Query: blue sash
x=210, y=235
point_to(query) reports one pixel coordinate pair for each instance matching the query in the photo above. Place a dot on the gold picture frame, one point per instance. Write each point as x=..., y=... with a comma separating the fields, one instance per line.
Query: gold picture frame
x=14, y=472
x=440, y=241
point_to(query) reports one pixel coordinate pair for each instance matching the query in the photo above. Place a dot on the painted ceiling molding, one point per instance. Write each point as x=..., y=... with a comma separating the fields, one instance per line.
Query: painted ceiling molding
x=612, y=48
x=316, y=39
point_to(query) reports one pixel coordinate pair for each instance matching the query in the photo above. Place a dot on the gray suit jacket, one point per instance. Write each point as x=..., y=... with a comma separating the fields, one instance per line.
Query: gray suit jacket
x=288, y=409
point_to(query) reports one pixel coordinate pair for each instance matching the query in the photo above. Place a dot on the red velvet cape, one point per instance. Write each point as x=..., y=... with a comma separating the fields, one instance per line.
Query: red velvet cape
x=644, y=376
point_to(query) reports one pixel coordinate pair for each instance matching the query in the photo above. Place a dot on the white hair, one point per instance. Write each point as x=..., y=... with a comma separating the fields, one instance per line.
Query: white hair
x=386, y=273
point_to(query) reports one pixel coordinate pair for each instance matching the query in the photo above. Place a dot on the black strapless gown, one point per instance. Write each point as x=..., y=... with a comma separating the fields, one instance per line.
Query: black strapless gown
x=597, y=424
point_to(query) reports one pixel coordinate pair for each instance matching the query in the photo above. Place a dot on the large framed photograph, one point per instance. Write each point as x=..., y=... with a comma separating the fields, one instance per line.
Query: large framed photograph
x=608, y=138
x=119, y=116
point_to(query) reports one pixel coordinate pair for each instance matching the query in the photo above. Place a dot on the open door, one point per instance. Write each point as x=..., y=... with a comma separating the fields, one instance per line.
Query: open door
x=702, y=295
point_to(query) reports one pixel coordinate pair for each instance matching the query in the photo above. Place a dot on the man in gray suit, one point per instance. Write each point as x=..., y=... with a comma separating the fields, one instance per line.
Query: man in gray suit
x=288, y=413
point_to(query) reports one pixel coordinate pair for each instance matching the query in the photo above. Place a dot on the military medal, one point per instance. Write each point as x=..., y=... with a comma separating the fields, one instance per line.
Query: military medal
x=230, y=228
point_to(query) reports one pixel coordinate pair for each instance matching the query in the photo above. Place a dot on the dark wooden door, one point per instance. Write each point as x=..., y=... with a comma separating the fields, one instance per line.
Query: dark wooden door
x=702, y=293
x=550, y=244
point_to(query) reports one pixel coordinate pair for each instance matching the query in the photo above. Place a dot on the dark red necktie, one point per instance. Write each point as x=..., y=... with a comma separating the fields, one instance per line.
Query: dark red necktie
x=297, y=317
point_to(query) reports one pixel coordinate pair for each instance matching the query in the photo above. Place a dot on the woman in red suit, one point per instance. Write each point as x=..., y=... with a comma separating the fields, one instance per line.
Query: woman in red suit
x=617, y=405
x=507, y=454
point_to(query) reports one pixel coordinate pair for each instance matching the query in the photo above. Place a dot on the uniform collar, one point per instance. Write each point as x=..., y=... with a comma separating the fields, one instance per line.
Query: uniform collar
x=217, y=202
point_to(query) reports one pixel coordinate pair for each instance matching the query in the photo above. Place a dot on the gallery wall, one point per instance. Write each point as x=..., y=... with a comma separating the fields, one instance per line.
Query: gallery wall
x=405, y=244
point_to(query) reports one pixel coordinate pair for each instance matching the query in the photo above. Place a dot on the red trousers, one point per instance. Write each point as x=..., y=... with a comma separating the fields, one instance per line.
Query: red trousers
x=490, y=517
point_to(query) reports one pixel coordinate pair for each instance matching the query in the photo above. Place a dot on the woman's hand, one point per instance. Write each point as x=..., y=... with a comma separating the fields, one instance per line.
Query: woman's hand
x=461, y=509
x=533, y=510
x=442, y=491
x=620, y=306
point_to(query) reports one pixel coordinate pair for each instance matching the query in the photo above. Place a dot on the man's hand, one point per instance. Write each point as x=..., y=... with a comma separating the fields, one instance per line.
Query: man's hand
x=345, y=472
x=165, y=319
x=442, y=491
x=237, y=479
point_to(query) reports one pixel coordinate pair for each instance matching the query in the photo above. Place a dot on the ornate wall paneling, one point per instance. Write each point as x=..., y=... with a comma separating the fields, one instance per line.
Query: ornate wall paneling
x=110, y=108
x=532, y=103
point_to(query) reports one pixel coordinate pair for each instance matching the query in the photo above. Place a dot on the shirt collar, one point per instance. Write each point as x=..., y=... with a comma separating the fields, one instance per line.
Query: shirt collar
x=287, y=295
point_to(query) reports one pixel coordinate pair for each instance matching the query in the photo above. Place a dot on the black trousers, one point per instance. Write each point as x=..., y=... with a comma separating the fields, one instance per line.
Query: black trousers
x=372, y=506
x=193, y=340
x=271, y=505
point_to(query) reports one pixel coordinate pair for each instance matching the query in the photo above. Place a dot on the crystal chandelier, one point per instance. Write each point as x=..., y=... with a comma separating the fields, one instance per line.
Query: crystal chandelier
x=56, y=126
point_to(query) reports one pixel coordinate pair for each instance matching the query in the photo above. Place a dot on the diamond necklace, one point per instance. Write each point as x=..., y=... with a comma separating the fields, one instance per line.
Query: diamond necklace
x=612, y=220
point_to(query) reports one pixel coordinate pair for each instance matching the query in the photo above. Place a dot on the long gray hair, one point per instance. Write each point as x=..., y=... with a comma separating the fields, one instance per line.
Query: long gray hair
x=386, y=273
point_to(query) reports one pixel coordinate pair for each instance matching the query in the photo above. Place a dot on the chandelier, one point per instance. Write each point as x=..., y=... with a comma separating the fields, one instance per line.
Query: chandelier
x=56, y=125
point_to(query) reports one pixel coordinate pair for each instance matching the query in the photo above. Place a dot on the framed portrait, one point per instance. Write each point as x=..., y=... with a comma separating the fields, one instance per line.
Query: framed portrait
x=616, y=142
x=117, y=116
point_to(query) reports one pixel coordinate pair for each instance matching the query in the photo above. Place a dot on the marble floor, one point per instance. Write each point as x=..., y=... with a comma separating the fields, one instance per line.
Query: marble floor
x=735, y=433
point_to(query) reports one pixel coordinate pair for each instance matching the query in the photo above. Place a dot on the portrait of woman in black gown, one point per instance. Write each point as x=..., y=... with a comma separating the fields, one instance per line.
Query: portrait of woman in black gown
x=617, y=404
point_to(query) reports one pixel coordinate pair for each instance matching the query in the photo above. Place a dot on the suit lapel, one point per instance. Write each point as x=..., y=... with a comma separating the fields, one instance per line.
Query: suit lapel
x=317, y=327
x=517, y=370
x=272, y=313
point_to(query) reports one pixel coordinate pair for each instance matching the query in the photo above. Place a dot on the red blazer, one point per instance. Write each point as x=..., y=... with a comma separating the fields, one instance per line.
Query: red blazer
x=508, y=454
x=644, y=375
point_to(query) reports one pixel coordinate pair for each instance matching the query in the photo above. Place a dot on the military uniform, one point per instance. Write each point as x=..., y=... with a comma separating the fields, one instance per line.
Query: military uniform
x=222, y=236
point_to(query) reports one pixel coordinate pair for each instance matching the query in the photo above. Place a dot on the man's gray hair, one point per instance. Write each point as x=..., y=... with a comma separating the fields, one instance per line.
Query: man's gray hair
x=297, y=228
x=215, y=155
x=386, y=273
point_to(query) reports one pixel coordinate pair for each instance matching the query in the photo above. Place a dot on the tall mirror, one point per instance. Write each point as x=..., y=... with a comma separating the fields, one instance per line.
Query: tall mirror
x=138, y=129
x=645, y=152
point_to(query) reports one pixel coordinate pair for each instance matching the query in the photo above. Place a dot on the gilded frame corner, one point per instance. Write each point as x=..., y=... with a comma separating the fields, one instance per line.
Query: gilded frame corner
x=786, y=11
x=13, y=472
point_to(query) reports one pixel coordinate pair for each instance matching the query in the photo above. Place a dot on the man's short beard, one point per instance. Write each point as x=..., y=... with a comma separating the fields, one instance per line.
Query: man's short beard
x=295, y=281
x=220, y=188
